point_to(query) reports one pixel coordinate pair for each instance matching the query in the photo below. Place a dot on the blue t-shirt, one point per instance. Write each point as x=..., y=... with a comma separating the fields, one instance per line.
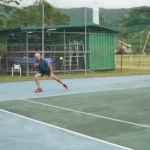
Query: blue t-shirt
x=43, y=65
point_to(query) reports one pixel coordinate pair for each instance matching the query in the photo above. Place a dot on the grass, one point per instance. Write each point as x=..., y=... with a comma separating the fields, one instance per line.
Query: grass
x=116, y=72
x=128, y=68
x=130, y=61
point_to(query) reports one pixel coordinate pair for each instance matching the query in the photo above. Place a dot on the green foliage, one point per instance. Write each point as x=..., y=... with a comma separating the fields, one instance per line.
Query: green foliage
x=138, y=16
x=6, y=10
x=137, y=26
x=32, y=16
x=60, y=17
x=17, y=19
x=103, y=20
x=113, y=14
x=137, y=49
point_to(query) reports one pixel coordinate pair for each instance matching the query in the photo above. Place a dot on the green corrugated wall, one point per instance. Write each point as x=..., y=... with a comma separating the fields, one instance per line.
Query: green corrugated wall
x=102, y=52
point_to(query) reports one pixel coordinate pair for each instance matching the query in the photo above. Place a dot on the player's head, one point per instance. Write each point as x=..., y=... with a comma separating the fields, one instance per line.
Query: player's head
x=37, y=56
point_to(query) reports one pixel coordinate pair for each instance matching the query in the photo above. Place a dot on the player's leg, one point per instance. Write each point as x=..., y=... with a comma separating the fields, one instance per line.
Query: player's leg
x=36, y=78
x=58, y=80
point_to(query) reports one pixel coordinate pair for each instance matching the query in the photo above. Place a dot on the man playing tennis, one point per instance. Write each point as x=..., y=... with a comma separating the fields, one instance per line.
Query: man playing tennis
x=44, y=68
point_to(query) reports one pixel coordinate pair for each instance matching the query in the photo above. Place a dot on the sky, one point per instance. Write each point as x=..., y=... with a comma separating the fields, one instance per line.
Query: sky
x=91, y=3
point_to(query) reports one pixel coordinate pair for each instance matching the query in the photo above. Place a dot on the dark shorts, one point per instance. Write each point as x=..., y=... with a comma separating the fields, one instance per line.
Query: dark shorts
x=44, y=73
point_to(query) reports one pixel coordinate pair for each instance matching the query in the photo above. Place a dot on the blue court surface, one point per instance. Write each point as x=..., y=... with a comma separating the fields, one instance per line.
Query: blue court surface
x=107, y=113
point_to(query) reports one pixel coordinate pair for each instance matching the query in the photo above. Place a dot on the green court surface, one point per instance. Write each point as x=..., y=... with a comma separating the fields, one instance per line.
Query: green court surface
x=116, y=116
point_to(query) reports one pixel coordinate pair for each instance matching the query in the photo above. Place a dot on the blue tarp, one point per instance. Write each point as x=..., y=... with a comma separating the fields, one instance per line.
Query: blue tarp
x=24, y=60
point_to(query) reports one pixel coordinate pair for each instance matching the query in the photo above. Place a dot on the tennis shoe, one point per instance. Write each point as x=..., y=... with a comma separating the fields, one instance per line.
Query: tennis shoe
x=65, y=86
x=38, y=90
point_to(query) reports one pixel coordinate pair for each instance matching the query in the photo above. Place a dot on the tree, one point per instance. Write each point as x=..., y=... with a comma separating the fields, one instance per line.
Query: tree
x=52, y=15
x=17, y=19
x=10, y=1
x=103, y=20
x=32, y=16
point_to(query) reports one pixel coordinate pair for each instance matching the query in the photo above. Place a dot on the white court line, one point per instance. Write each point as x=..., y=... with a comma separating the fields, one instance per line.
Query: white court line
x=66, y=130
x=75, y=93
x=89, y=114
x=91, y=91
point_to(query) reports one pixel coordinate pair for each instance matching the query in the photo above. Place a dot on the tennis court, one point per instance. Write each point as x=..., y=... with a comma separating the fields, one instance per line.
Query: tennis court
x=108, y=113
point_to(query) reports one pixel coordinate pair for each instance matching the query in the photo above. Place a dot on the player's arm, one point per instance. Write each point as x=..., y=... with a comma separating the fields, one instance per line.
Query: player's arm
x=35, y=66
x=51, y=69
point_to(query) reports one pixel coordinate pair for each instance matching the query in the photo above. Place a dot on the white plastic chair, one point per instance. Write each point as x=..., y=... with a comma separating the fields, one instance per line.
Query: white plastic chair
x=16, y=67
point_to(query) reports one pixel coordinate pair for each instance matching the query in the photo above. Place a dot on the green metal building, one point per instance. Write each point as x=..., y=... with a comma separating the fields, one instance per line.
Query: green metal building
x=90, y=47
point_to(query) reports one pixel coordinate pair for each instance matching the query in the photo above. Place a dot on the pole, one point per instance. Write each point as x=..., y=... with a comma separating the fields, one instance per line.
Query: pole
x=122, y=43
x=27, y=54
x=85, y=51
x=141, y=38
x=64, y=60
x=43, y=30
x=7, y=55
x=143, y=52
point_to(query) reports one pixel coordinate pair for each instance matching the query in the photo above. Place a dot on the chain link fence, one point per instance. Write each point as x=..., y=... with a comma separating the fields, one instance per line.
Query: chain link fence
x=66, y=50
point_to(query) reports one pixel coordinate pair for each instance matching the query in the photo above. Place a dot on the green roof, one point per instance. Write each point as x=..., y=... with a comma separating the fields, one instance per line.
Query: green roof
x=91, y=27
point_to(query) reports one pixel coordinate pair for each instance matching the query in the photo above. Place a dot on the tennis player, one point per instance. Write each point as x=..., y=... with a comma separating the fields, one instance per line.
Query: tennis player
x=44, y=68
